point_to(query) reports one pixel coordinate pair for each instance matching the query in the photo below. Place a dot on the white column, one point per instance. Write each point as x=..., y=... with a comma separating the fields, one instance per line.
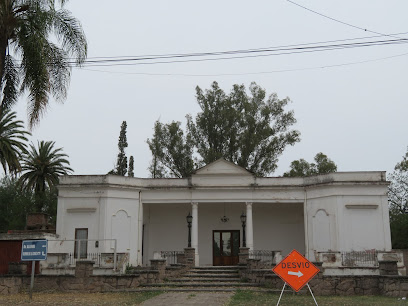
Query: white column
x=249, y=227
x=194, y=230
x=140, y=232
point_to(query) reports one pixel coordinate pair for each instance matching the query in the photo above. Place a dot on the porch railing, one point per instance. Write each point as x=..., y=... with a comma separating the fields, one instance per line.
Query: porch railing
x=360, y=259
x=81, y=245
x=170, y=256
x=96, y=257
x=267, y=258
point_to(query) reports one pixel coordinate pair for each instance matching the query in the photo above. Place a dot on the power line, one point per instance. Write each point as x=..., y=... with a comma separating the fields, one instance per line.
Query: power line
x=209, y=56
x=339, y=21
x=240, y=50
x=247, y=73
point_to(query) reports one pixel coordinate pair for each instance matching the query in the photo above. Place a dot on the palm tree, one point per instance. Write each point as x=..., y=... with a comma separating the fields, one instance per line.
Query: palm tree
x=41, y=169
x=37, y=64
x=12, y=138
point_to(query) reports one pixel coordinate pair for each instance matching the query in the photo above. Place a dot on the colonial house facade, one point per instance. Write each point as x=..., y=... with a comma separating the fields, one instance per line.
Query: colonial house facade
x=337, y=212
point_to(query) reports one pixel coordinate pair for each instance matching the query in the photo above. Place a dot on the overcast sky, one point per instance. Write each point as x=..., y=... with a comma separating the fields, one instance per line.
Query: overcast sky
x=356, y=114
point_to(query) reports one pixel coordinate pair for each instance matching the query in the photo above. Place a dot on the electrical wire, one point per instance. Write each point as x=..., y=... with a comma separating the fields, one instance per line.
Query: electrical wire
x=339, y=21
x=242, y=50
x=210, y=55
x=247, y=73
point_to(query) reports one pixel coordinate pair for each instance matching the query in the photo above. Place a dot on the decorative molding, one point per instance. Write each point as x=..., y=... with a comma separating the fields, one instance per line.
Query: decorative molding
x=323, y=210
x=361, y=206
x=125, y=211
x=81, y=210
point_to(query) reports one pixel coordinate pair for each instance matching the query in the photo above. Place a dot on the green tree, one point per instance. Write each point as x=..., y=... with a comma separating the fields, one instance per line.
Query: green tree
x=249, y=130
x=12, y=141
x=41, y=169
x=37, y=40
x=398, y=204
x=403, y=165
x=131, y=167
x=121, y=162
x=15, y=204
x=172, y=151
x=302, y=168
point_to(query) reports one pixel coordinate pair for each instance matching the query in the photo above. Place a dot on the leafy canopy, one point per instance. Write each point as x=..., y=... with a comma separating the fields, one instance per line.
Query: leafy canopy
x=37, y=40
x=15, y=204
x=302, y=168
x=250, y=130
x=42, y=167
x=398, y=204
x=12, y=141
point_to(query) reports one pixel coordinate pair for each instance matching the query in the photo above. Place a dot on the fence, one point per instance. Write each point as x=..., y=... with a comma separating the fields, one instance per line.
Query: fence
x=266, y=257
x=95, y=257
x=170, y=256
x=80, y=249
x=359, y=259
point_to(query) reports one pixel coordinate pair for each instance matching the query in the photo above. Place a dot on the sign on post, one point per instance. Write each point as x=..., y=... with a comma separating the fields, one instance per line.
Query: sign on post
x=34, y=250
x=296, y=270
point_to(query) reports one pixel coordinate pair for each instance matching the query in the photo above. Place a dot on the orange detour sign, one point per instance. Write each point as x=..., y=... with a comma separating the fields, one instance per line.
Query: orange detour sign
x=296, y=270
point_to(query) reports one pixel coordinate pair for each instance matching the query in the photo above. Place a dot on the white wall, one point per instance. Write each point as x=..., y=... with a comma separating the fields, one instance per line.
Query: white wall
x=165, y=228
x=346, y=218
x=279, y=227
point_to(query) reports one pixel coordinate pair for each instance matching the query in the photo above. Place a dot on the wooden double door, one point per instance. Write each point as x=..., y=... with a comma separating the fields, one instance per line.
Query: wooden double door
x=226, y=248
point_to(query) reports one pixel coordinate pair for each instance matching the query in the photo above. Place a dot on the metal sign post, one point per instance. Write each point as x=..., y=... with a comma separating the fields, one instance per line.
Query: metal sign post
x=284, y=289
x=33, y=250
x=32, y=279
x=296, y=271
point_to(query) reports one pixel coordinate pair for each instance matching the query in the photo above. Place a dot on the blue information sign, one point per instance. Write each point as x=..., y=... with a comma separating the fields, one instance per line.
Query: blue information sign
x=34, y=250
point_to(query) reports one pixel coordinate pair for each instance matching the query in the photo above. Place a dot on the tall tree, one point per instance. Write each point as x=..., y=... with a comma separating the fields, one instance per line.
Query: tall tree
x=172, y=151
x=301, y=167
x=398, y=188
x=37, y=40
x=121, y=162
x=250, y=130
x=398, y=204
x=131, y=167
x=12, y=141
x=41, y=168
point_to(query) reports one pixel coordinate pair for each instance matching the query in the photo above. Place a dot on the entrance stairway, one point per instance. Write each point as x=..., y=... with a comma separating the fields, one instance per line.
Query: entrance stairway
x=220, y=278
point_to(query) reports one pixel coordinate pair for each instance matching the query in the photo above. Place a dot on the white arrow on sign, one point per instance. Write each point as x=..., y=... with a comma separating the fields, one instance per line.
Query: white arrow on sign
x=298, y=274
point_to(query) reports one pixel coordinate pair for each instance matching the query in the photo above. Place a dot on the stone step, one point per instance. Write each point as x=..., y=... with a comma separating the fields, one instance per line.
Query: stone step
x=216, y=268
x=191, y=279
x=235, y=275
x=197, y=289
x=223, y=271
x=203, y=284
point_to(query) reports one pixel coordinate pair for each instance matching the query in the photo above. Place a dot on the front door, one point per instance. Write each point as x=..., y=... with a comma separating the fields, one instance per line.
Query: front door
x=225, y=248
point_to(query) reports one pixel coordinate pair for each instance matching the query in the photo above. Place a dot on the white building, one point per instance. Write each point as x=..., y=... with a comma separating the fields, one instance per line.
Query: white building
x=343, y=211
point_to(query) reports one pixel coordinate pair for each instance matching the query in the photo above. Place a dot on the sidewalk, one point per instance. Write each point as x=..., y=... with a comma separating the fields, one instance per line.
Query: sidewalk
x=189, y=298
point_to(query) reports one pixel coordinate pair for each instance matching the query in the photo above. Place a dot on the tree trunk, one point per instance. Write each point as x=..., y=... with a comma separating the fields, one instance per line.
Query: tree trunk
x=3, y=50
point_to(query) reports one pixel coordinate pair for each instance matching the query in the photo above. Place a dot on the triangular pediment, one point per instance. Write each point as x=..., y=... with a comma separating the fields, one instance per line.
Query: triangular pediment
x=222, y=167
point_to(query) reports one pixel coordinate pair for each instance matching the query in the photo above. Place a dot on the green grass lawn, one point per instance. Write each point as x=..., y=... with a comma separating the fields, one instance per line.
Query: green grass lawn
x=265, y=298
x=119, y=298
